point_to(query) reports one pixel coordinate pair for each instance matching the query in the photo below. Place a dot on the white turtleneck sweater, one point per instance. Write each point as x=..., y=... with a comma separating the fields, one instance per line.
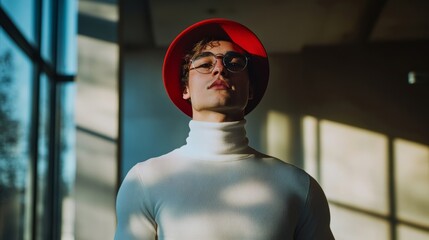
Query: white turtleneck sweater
x=218, y=188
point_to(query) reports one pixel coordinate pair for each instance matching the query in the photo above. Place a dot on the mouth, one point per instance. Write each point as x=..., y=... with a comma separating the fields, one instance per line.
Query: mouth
x=219, y=84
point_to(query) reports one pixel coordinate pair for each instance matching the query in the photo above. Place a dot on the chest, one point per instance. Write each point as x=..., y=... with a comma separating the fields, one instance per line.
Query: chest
x=222, y=205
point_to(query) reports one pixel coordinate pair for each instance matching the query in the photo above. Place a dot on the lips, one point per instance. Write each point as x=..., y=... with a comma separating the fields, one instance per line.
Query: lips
x=219, y=84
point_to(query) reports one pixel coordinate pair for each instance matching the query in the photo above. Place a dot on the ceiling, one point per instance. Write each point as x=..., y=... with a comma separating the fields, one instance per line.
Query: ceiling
x=285, y=26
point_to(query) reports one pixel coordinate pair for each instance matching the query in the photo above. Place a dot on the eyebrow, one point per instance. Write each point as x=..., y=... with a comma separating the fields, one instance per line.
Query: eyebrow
x=208, y=53
x=203, y=54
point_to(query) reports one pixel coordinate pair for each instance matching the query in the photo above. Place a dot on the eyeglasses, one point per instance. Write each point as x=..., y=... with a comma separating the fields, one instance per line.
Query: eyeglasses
x=206, y=62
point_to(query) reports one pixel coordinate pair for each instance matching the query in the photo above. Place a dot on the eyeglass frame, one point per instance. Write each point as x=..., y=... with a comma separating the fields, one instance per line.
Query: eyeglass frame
x=217, y=56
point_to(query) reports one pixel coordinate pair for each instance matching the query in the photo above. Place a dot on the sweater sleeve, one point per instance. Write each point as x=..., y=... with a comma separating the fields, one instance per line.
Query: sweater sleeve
x=133, y=210
x=314, y=221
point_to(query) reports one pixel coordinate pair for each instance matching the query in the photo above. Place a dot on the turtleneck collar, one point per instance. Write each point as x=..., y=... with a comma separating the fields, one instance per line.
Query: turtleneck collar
x=215, y=141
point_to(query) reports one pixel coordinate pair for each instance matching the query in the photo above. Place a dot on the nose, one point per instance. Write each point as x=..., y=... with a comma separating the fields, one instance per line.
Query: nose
x=219, y=68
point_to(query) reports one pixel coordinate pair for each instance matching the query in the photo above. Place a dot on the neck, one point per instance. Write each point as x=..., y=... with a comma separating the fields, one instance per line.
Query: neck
x=217, y=140
x=210, y=116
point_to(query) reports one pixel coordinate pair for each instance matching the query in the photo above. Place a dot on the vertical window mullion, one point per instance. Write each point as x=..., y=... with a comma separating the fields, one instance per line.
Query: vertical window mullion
x=53, y=132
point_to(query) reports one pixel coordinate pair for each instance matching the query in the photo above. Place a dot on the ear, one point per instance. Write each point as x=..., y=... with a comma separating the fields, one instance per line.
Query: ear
x=186, y=95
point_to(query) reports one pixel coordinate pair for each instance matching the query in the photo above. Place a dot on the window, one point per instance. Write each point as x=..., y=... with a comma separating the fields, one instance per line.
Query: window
x=36, y=118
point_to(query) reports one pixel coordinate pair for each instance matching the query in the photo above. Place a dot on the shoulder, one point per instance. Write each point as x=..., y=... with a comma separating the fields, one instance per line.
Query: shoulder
x=314, y=220
x=289, y=179
x=314, y=214
x=288, y=172
x=143, y=178
x=148, y=171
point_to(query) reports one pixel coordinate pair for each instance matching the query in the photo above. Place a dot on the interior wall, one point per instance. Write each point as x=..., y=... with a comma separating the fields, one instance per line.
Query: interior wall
x=151, y=125
x=367, y=86
x=371, y=134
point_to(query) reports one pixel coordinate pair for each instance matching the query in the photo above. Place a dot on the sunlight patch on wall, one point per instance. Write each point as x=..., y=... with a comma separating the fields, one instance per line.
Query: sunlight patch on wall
x=278, y=135
x=97, y=98
x=309, y=131
x=354, y=166
x=407, y=233
x=95, y=190
x=99, y=9
x=353, y=225
x=97, y=107
x=354, y=172
x=68, y=218
x=412, y=179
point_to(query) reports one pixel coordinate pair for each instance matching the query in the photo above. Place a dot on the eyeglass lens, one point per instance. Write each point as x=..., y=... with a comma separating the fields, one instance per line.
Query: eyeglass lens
x=206, y=61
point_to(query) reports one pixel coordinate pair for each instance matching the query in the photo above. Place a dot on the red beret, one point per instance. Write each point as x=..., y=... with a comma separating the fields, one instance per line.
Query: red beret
x=216, y=28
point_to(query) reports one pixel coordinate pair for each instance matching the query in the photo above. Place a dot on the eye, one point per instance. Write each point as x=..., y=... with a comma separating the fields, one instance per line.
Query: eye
x=205, y=63
x=236, y=63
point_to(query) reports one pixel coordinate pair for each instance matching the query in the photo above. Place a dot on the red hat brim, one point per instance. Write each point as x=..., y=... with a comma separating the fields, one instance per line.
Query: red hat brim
x=216, y=28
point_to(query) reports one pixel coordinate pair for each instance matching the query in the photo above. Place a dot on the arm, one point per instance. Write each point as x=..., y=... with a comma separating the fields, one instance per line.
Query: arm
x=315, y=218
x=134, y=217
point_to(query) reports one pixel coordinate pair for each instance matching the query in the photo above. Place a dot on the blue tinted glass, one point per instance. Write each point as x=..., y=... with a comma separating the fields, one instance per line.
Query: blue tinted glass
x=47, y=30
x=15, y=129
x=68, y=128
x=67, y=157
x=67, y=31
x=43, y=159
x=22, y=13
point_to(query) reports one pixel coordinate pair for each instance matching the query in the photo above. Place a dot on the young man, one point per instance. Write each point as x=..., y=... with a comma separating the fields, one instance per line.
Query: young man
x=216, y=186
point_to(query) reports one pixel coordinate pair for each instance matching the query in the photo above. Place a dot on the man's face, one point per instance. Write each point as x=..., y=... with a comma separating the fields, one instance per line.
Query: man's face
x=219, y=92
